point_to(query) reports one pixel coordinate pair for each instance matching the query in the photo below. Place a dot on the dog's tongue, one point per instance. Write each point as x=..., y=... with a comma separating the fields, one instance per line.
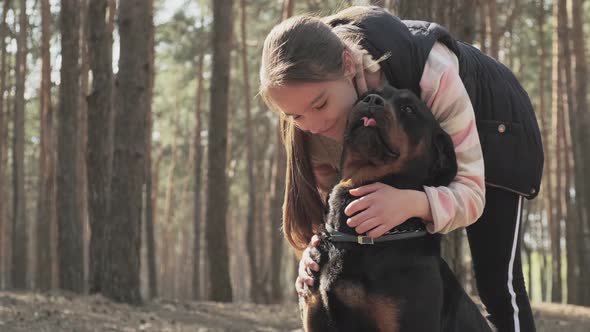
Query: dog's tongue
x=369, y=121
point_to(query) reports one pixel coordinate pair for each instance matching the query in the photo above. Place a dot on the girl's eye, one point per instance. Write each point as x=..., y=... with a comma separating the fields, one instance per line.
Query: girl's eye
x=407, y=109
x=295, y=117
x=322, y=106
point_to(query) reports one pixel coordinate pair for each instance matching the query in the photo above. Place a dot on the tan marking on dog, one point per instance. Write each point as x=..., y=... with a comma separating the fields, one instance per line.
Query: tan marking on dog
x=312, y=303
x=346, y=183
x=380, y=309
x=385, y=313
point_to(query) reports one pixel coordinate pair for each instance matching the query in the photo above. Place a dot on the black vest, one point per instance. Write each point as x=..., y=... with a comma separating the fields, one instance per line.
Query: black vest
x=506, y=122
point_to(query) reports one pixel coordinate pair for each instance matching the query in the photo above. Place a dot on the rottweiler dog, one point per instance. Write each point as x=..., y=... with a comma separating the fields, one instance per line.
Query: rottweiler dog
x=397, y=282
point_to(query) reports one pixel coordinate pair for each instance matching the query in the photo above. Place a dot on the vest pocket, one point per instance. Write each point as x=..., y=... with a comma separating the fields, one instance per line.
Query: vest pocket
x=505, y=155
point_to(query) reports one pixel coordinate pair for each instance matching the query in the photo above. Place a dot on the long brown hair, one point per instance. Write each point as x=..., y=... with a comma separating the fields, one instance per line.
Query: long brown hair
x=300, y=49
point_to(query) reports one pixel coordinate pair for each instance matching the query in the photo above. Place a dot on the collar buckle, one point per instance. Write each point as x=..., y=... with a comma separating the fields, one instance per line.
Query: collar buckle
x=364, y=240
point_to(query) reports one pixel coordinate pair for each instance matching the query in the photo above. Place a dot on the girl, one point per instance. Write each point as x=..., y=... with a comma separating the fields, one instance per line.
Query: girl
x=313, y=71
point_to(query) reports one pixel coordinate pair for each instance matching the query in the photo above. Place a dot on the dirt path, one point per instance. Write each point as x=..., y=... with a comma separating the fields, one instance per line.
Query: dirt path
x=28, y=312
x=551, y=317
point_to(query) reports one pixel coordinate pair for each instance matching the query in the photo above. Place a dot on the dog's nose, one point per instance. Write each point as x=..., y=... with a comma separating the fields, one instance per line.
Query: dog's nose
x=374, y=100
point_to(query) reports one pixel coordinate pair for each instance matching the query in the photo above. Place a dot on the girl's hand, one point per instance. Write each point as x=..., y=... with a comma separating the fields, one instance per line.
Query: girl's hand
x=384, y=207
x=305, y=265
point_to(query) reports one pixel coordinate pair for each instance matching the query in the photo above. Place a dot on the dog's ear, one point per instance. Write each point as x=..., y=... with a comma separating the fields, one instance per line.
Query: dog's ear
x=444, y=166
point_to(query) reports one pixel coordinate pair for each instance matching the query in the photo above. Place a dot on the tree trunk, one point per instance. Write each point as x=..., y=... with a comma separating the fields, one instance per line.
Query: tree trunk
x=558, y=104
x=155, y=174
x=149, y=216
x=277, y=196
x=70, y=244
x=288, y=6
x=572, y=227
x=220, y=289
x=82, y=181
x=483, y=26
x=264, y=164
x=466, y=30
x=123, y=232
x=197, y=204
x=251, y=230
x=525, y=227
x=185, y=268
x=4, y=230
x=545, y=197
x=556, y=286
x=231, y=150
x=582, y=139
x=46, y=210
x=544, y=267
x=379, y=3
x=493, y=35
x=172, y=189
x=19, y=230
x=527, y=257
x=100, y=133
x=277, y=193
x=167, y=226
x=416, y=10
x=276, y=238
x=439, y=11
x=572, y=220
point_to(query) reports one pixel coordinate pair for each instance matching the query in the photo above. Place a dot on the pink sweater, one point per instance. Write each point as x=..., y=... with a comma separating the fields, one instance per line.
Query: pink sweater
x=462, y=202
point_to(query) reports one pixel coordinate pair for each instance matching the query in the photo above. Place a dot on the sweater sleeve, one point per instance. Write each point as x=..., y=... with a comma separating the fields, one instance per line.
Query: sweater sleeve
x=461, y=203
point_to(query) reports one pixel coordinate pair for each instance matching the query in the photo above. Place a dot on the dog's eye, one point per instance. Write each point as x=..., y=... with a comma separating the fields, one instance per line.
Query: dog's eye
x=407, y=109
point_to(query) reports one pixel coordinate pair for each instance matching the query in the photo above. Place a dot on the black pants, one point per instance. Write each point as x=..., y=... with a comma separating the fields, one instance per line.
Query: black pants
x=495, y=247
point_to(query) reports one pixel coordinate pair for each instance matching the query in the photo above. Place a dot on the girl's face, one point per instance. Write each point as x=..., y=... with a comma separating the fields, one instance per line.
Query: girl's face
x=318, y=107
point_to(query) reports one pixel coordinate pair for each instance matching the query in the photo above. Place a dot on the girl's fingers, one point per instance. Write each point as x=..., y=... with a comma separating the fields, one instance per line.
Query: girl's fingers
x=367, y=225
x=378, y=231
x=367, y=189
x=304, y=272
x=301, y=271
x=301, y=282
x=360, y=217
x=302, y=287
x=314, y=241
x=308, y=262
x=305, y=266
x=357, y=205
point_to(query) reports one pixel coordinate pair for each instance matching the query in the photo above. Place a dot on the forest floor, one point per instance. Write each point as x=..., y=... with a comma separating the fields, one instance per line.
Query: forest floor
x=34, y=312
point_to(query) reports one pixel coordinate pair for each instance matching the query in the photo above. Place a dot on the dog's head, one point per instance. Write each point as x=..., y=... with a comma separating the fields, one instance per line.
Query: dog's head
x=392, y=132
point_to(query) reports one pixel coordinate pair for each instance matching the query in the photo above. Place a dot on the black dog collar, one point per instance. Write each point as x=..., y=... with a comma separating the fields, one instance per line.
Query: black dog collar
x=336, y=236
